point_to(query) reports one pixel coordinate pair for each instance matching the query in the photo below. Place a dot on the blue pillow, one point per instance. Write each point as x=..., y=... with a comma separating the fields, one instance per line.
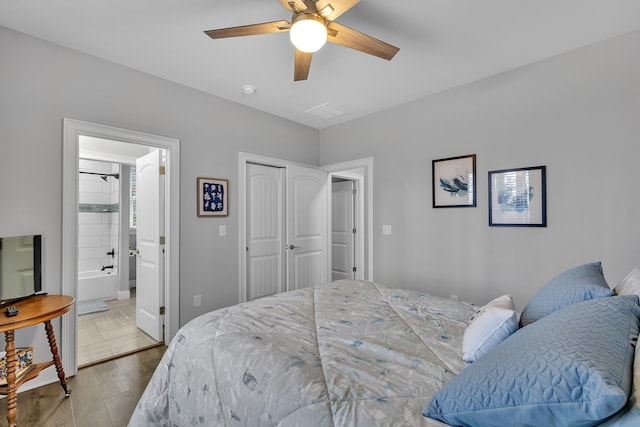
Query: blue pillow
x=578, y=284
x=573, y=367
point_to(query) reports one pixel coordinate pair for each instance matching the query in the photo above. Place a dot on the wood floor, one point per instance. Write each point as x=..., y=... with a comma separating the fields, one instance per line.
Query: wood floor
x=112, y=333
x=102, y=395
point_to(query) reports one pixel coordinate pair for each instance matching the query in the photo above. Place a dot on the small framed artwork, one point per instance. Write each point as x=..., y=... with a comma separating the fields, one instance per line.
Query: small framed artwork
x=517, y=197
x=213, y=197
x=454, y=182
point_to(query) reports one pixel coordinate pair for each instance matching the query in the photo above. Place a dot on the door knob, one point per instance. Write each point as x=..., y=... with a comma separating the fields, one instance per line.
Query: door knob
x=291, y=247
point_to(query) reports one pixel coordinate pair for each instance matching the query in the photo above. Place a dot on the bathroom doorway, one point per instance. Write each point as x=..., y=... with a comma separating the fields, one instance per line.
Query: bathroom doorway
x=107, y=250
x=165, y=295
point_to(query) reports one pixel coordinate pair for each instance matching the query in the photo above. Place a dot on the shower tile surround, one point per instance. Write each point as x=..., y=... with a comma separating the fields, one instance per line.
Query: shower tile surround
x=98, y=215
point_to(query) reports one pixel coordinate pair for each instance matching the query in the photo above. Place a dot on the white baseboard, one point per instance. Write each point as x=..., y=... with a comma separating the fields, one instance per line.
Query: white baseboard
x=124, y=295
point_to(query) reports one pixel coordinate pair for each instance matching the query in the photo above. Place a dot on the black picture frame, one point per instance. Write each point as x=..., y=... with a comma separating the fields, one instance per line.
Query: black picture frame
x=454, y=182
x=518, y=197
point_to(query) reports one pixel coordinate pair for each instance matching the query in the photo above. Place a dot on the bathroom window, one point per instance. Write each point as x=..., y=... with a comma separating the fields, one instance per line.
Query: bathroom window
x=132, y=197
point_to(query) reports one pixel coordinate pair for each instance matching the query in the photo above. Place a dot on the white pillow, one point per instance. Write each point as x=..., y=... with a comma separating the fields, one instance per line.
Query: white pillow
x=488, y=327
x=630, y=285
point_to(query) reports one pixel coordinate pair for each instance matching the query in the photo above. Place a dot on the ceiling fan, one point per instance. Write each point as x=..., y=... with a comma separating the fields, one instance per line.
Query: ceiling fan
x=313, y=24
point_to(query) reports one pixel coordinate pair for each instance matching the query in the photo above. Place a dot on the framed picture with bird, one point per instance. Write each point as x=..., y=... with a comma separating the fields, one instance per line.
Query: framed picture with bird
x=454, y=182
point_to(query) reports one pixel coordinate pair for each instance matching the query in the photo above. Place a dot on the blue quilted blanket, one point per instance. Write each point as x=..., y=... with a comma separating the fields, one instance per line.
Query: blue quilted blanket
x=340, y=354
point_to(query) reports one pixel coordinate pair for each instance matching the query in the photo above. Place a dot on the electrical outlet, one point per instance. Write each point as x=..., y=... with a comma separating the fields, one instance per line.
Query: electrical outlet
x=197, y=300
x=386, y=230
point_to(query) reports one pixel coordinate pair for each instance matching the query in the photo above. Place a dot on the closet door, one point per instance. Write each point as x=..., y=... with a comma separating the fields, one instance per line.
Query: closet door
x=265, y=230
x=306, y=227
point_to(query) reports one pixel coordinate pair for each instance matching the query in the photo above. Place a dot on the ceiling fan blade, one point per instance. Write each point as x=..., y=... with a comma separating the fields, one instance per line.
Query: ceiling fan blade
x=294, y=5
x=250, y=30
x=303, y=63
x=331, y=9
x=353, y=39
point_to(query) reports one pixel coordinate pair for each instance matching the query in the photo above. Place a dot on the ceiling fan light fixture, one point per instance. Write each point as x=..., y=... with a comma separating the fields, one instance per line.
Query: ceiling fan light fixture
x=308, y=32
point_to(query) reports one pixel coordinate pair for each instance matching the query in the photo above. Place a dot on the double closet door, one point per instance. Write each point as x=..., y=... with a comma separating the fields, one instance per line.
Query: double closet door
x=286, y=228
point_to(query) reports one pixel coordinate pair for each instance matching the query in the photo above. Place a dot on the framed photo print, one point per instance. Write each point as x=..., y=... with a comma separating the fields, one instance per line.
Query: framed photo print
x=213, y=197
x=517, y=197
x=454, y=182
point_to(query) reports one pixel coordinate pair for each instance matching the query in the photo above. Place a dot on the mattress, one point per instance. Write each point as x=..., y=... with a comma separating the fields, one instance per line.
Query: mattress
x=347, y=353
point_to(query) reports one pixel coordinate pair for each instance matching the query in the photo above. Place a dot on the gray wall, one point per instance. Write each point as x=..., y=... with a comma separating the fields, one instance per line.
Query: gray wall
x=41, y=83
x=578, y=114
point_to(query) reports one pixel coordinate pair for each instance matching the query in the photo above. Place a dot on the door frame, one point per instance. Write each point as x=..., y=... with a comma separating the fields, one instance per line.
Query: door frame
x=360, y=169
x=72, y=129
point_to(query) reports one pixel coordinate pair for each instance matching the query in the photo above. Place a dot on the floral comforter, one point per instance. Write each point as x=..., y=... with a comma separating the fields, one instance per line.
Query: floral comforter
x=341, y=354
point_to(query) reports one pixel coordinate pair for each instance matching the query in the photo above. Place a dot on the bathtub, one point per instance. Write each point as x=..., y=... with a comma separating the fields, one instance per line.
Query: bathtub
x=98, y=285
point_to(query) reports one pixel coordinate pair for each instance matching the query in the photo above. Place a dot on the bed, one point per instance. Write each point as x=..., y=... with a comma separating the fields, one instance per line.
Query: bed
x=346, y=353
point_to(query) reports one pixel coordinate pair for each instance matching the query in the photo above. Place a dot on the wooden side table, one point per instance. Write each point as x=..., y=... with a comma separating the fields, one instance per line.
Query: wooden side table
x=34, y=310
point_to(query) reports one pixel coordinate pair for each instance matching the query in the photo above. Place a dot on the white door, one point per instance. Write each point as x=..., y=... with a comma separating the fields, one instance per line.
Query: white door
x=265, y=230
x=306, y=227
x=149, y=263
x=342, y=230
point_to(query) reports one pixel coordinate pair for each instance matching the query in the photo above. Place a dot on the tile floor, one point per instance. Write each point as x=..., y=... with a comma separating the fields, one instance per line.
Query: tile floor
x=108, y=334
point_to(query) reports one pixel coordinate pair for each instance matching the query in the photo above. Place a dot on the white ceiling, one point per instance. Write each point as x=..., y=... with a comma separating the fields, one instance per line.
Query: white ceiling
x=443, y=44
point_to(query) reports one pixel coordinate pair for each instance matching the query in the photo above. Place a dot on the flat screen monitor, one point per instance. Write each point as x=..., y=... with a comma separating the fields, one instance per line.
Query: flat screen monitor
x=20, y=267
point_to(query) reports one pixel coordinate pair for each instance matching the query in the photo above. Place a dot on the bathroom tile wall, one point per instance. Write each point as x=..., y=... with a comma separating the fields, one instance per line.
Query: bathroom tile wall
x=98, y=215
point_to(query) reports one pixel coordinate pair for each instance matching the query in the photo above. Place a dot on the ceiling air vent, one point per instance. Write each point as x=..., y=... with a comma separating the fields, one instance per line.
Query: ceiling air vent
x=326, y=111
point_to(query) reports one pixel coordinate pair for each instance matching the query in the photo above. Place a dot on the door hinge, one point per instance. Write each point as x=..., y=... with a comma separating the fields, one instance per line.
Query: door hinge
x=354, y=231
x=162, y=170
x=162, y=311
x=354, y=269
x=353, y=191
